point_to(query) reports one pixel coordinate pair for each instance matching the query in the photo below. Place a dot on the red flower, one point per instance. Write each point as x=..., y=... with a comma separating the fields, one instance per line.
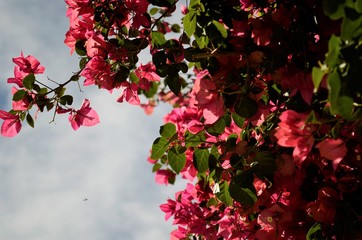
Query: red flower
x=11, y=125
x=294, y=132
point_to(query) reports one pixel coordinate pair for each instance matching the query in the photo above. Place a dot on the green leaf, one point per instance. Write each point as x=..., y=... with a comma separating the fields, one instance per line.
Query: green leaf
x=175, y=28
x=19, y=95
x=334, y=9
x=246, y=107
x=133, y=77
x=264, y=164
x=122, y=74
x=334, y=87
x=153, y=11
x=176, y=159
x=80, y=48
x=239, y=121
x=351, y=25
x=194, y=140
x=358, y=6
x=28, y=81
x=315, y=232
x=189, y=22
x=30, y=120
x=334, y=46
x=224, y=195
x=168, y=130
x=242, y=195
x=221, y=28
x=345, y=107
x=60, y=91
x=217, y=128
x=173, y=82
x=201, y=159
x=159, y=147
x=158, y=38
x=202, y=41
x=317, y=76
x=156, y=167
x=66, y=100
x=43, y=91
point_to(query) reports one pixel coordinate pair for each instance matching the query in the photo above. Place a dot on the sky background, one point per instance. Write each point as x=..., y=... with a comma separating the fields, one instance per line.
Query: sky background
x=47, y=172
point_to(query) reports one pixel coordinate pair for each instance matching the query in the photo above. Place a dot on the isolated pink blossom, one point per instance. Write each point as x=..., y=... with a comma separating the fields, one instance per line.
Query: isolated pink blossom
x=129, y=94
x=294, y=132
x=332, y=149
x=28, y=64
x=11, y=125
x=85, y=116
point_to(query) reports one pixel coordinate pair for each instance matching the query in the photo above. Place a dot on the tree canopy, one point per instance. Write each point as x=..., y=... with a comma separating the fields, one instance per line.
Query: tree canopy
x=266, y=97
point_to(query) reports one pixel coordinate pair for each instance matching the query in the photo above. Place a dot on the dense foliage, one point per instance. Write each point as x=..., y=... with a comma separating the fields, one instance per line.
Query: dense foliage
x=266, y=96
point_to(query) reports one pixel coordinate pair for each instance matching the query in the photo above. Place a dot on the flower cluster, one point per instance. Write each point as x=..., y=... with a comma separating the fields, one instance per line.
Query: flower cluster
x=266, y=113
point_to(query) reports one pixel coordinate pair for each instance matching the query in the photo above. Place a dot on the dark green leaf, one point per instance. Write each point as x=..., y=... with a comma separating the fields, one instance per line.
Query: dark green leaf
x=176, y=159
x=175, y=28
x=159, y=58
x=43, y=91
x=194, y=140
x=264, y=164
x=246, y=107
x=19, y=95
x=66, y=100
x=242, y=195
x=224, y=195
x=351, y=25
x=168, y=130
x=239, y=121
x=173, y=82
x=217, y=128
x=30, y=120
x=80, y=48
x=334, y=9
x=60, y=91
x=345, y=107
x=156, y=167
x=201, y=159
x=159, y=147
x=122, y=74
x=28, y=81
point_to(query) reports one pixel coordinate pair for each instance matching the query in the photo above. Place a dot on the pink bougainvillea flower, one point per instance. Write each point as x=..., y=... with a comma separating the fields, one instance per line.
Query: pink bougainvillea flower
x=332, y=149
x=294, y=132
x=207, y=98
x=148, y=72
x=324, y=208
x=18, y=77
x=98, y=72
x=11, y=125
x=129, y=94
x=85, y=116
x=28, y=64
x=22, y=104
x=96, y=46
x=163, y=176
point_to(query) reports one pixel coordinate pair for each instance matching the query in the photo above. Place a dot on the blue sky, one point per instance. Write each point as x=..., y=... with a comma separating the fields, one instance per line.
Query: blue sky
x=47, y=172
